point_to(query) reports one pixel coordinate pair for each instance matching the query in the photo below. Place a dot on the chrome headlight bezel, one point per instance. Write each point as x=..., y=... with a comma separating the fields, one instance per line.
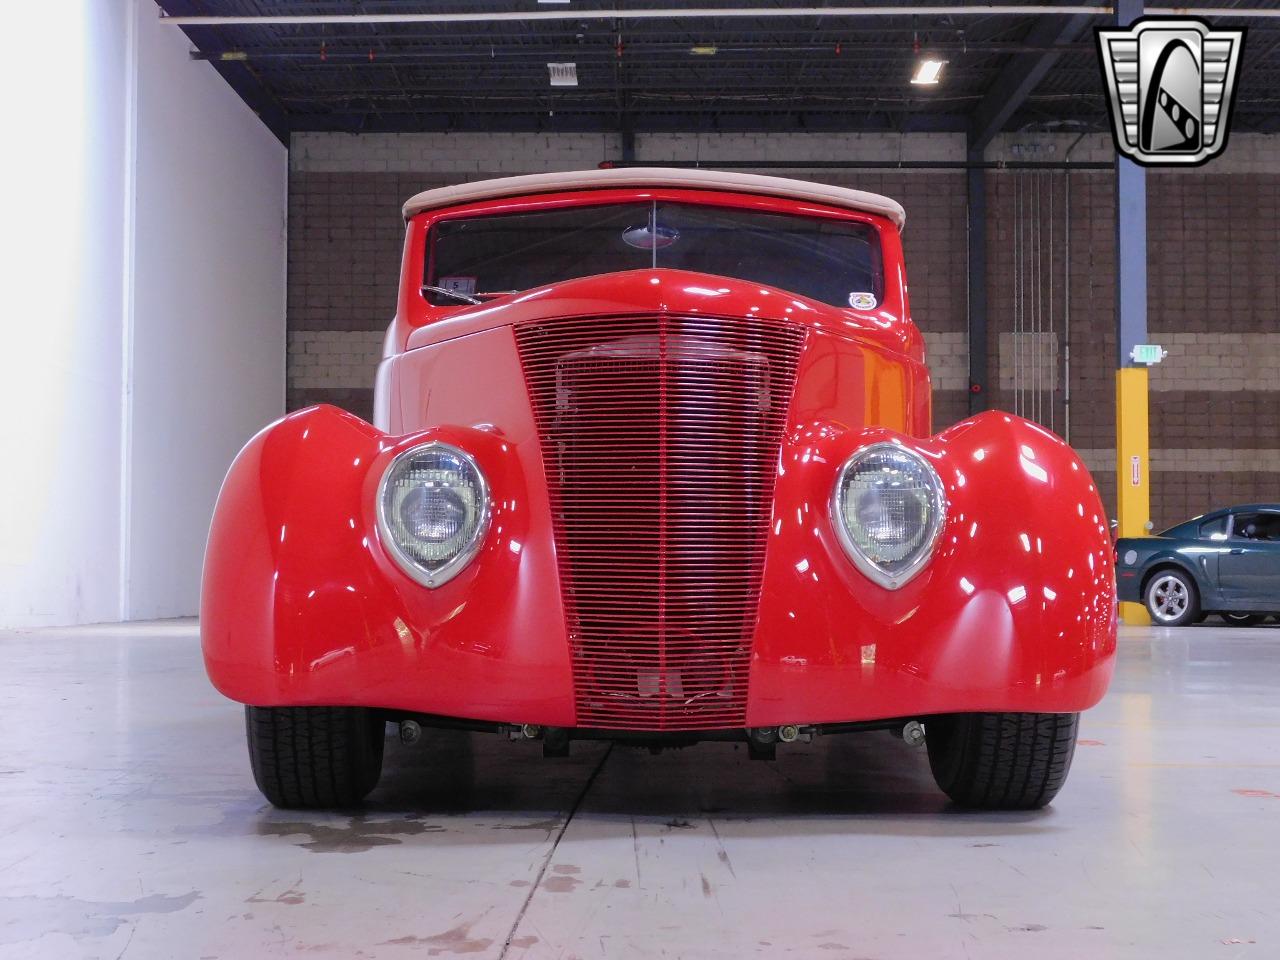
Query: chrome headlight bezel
x=899, y=576
x=441, y=575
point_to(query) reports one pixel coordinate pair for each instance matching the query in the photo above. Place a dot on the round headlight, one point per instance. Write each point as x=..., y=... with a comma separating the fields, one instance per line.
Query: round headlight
x=433, y=508
x=888, y=509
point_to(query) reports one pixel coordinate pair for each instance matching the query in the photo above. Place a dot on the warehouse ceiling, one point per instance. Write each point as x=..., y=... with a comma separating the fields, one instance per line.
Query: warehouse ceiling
x=773, y=71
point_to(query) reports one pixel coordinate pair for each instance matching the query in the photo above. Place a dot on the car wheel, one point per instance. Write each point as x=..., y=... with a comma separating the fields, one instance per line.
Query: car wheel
x=1243, y=619
x=1172, y=599
x=1001, y=761
x=314, y=756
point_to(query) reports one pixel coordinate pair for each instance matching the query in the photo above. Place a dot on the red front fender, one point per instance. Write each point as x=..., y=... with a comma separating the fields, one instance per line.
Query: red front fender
x=1016, y=610
x=302, y=605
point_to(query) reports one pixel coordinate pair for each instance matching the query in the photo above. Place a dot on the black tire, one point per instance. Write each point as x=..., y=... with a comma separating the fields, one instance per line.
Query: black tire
x=1155, y=596
x=1001, y=761
x=1243, y=619
x=314, y=756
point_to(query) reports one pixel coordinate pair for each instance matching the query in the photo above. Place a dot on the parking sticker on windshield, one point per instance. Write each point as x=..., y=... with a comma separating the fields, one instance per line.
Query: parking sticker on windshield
x=463, y=285
x=862, y=301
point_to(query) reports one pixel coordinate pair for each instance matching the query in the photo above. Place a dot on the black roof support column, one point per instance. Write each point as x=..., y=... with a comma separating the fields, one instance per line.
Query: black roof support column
x=977, y=281
x=628, y=137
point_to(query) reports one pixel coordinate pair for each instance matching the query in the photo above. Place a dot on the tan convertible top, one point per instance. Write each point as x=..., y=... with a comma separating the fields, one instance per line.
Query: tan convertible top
x=655, y=177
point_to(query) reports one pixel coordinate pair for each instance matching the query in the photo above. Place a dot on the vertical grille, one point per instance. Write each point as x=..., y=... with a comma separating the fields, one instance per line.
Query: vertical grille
x=660, y=436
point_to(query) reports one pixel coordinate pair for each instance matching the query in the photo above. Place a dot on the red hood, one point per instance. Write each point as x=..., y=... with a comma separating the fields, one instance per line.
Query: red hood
x=672, y=291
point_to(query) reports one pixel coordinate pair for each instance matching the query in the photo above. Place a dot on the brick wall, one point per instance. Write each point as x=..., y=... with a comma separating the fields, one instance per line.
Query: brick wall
x=1213, y=303
x=1213, y=292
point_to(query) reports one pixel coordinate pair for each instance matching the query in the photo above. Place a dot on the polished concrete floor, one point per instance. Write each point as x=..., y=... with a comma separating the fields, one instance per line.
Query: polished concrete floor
x=130, y=828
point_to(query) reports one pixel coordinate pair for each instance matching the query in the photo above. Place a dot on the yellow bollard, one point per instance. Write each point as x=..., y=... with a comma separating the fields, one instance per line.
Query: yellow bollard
x=1133, y=468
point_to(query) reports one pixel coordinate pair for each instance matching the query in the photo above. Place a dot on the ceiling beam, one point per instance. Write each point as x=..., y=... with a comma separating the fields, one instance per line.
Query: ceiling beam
x=1022, y=75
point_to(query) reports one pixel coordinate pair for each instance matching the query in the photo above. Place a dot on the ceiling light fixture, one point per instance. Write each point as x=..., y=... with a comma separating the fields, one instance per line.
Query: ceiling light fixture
x=563, y=74
x=928, y=72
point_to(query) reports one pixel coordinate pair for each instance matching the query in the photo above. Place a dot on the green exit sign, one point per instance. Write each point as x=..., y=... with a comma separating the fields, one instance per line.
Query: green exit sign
x=1147, y=353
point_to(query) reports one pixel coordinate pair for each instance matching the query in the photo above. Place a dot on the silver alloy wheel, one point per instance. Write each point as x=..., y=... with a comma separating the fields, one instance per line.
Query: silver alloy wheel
x=1168, y=597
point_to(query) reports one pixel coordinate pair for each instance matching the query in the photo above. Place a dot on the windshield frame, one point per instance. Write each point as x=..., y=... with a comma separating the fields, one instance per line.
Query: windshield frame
x=850, y=250
x=417, y=311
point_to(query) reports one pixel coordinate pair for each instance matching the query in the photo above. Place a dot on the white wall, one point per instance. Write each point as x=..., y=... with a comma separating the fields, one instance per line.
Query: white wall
x=61, y=323
x=70, y=298
x=208, y=309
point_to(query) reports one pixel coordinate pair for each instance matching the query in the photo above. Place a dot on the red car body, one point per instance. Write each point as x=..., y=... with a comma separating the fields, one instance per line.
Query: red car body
x=748, y=615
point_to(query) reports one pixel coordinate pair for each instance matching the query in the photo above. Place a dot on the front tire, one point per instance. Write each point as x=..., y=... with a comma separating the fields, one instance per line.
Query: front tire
x=1001, y=761
x=314, y=756
x=1172, y=599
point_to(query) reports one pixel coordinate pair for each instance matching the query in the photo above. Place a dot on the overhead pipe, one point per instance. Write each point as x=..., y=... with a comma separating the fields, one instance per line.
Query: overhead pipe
x=704, y=13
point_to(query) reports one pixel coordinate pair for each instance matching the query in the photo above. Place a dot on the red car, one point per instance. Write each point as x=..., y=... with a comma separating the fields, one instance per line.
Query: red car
x=652, y=461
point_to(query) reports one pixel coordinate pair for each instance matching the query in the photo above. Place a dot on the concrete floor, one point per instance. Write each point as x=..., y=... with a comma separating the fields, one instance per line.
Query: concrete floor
x=130, y=828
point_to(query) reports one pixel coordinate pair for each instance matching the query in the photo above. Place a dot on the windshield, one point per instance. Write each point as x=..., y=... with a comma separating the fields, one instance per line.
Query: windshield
x=834, y=261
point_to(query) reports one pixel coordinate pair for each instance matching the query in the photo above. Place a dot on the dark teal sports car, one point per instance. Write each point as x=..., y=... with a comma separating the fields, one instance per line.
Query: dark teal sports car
x=1225, y=562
